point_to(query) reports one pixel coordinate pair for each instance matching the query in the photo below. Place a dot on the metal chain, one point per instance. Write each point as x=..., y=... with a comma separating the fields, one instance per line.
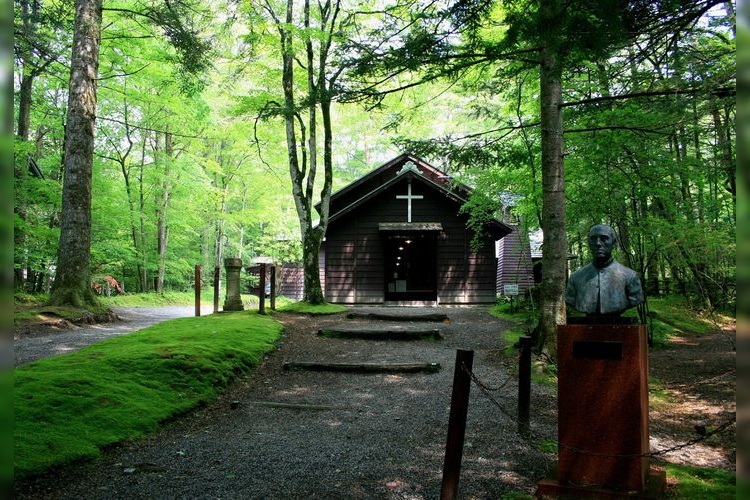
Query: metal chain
x=486, y=391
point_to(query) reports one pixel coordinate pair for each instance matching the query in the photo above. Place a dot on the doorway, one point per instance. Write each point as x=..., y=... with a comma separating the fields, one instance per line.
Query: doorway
x=410, y=266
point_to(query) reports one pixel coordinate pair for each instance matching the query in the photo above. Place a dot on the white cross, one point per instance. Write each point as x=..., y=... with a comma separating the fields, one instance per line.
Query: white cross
x=408, y=197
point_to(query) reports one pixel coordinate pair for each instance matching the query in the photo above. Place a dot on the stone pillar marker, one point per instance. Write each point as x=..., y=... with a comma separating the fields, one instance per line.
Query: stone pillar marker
x=233, y=301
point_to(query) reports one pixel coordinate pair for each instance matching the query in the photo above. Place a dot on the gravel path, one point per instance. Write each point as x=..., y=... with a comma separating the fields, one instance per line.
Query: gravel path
x=280, y=434
x=298, y=434
x=51, y=341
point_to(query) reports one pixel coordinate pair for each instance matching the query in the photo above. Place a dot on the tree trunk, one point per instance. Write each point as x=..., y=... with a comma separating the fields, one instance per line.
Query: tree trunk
x=310, y=248
x=140, y=246
x=72, y=284
x=21, y=177
x=162, y=207
x=220, y=223
x=302, y=177
x=555, y=246
x=20, y=167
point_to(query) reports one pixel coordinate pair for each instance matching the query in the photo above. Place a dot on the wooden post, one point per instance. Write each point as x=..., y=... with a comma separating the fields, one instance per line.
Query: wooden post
x=524, y=385
x=262, y=291
x=273, y=287
x=197, y=290
x=457, y=424
x=217, y=279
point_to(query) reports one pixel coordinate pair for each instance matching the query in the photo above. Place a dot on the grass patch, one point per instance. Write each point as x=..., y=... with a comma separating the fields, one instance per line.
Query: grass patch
x=669, y=316
x=524, y=319
x=548, y=446
x=675, y=312
x=542, y=371
x=699, y=483
x=173, y=298
x=156, y=299
x=315, y=309
x=67, y=408
x=659, y=397
x=516, y=495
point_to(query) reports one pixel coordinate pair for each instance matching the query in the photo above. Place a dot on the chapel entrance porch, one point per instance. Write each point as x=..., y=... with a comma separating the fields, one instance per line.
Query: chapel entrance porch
x=410, y=266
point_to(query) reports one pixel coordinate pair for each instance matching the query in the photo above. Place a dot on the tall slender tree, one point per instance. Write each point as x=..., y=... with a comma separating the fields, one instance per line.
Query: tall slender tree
x=72, y=277
x=554, y=260
x=301, y=137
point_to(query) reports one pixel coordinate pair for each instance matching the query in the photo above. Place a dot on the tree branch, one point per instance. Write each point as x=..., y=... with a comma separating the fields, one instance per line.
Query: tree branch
x=721, y=92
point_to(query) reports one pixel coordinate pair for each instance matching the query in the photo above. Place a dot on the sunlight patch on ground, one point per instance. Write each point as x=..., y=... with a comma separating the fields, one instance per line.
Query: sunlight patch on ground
x=364, y=395
x=682, y=341
x=696, y=455
x=294, y=391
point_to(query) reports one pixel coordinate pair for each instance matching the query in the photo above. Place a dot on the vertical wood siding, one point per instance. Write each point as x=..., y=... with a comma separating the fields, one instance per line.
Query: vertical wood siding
x=292, y=282
x=514, y=262
x=354, y=250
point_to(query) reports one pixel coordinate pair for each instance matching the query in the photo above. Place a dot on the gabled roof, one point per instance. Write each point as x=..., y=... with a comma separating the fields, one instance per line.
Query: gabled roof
x=384, y=177
x=389, y=169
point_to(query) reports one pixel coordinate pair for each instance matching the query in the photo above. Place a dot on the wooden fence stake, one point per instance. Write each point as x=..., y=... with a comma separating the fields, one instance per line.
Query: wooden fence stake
x=273, y=287
x=197, y=290
x=262, y=291
x=217, y=280
x=524, y=385
x=457, y=424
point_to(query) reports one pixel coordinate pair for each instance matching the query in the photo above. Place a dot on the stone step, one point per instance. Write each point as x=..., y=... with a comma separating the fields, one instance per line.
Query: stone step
x=385, y=332
x=383, y=367
x=386, y=316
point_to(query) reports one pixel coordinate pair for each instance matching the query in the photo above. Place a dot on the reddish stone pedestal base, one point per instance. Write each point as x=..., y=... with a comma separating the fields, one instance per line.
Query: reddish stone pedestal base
x=602, y=406
x=551, y=489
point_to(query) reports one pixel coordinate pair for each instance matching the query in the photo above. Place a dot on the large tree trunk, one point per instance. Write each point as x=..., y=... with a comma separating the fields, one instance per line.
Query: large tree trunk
x=555, y=246
x=311, y=269
x=72, y=279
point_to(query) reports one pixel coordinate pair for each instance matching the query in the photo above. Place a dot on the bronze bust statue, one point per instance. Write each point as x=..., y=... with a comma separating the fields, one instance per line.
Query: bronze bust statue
x=603, y=287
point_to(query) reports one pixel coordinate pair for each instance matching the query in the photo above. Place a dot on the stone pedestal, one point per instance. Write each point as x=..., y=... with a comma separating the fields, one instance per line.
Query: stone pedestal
x=233, y=301
x=603, y=426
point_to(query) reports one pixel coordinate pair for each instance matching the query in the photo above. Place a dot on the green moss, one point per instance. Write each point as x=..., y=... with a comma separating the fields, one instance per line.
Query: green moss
x=676, y=312
x=699, y=483
x=315, y=309
x=67, y=408
x=658, y=395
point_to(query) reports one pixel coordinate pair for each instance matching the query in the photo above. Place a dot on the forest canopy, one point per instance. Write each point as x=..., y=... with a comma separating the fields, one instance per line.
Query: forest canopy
x=191, y=159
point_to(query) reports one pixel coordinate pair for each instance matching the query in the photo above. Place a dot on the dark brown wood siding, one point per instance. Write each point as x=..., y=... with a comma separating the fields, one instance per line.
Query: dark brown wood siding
x=514, y=262
x=354, y=250
x=291, y=282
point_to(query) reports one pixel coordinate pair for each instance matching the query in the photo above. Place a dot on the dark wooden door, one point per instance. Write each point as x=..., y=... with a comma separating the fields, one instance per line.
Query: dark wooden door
x=410, y=267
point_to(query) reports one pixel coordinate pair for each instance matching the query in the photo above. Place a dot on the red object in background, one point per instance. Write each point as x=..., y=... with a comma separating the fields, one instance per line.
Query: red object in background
x=114, y=285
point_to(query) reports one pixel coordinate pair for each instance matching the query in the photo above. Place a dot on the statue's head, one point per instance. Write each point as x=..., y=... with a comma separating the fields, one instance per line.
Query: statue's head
x=602, y=241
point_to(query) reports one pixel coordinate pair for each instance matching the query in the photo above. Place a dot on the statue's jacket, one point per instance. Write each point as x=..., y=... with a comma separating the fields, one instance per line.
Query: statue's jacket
x=613, y=286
